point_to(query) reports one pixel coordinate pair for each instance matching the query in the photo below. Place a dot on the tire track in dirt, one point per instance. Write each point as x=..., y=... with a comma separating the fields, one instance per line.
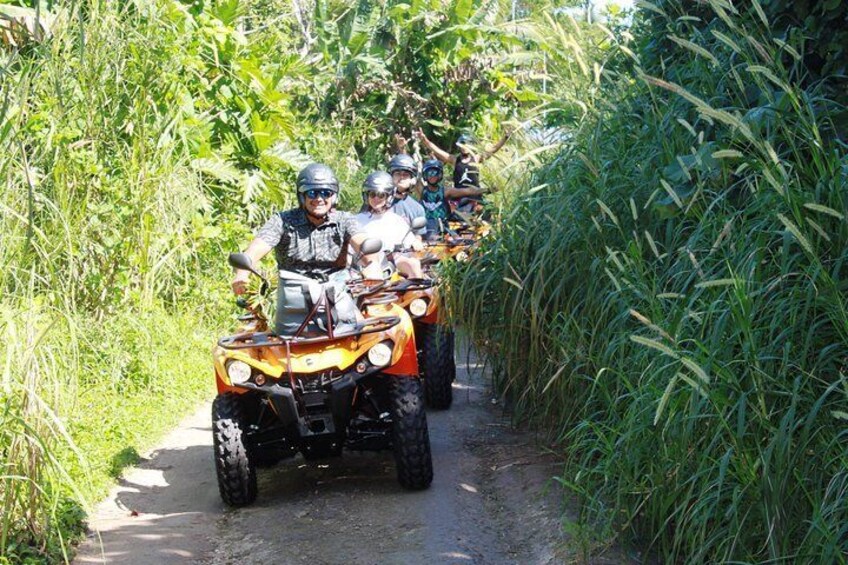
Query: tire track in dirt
x=491, y=501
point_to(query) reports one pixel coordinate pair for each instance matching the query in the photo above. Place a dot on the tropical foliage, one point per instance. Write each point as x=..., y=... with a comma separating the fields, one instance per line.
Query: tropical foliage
x=398, y=66
x=663, y=293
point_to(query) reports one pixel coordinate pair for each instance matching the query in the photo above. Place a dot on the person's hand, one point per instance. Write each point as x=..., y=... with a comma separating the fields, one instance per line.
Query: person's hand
x=373, y=270
x=239, y=285
x=419, y=134
x=417, y=245
x=400, y=142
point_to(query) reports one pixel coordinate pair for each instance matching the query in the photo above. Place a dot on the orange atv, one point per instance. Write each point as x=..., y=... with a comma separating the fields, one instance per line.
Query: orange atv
x=434, y=338
x=339, y=370
x=455, y=238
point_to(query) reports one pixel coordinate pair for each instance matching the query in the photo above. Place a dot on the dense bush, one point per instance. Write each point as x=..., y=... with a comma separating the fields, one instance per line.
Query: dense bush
x=670, y=303
x=110, y=238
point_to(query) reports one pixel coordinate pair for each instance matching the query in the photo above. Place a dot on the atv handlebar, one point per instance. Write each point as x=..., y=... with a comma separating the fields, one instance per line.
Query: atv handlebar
x=365, y=287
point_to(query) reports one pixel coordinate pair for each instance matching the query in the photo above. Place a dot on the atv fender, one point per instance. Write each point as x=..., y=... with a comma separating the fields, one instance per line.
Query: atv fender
x=223, y=387
x=431, y=318
x=407, y=365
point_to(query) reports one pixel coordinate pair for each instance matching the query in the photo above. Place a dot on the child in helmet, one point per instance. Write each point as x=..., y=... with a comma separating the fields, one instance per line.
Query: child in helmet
x=378, y=220
x=466, y=165
x=434, y=197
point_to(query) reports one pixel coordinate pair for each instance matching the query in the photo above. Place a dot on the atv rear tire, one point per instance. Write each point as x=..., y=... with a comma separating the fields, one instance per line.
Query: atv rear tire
x=436, y=362
x=234, y=466
x=410, y=438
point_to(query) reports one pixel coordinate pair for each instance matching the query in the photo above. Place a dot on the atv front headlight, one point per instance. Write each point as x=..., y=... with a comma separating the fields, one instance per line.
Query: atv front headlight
x=238, y=371
x=380, y=355
x=418, y=307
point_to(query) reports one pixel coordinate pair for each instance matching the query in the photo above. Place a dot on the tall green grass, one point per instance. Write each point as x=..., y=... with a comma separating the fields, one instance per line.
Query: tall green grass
x=139, y=142
x=35, y=485
x=671, y=306
x=110, y=251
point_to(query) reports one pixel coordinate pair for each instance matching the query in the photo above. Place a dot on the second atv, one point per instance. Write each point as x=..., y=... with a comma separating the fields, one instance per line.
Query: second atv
x=434, y=338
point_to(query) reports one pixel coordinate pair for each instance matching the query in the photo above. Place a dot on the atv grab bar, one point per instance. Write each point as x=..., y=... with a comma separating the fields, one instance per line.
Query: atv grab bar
x=266, y=339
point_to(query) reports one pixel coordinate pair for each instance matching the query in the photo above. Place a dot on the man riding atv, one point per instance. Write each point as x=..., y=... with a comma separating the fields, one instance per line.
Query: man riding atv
x=404, y=173
x=337, y=369
x=311, y=238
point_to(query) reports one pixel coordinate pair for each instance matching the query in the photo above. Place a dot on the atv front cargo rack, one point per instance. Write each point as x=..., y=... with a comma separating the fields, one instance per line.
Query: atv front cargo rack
x=268, y=339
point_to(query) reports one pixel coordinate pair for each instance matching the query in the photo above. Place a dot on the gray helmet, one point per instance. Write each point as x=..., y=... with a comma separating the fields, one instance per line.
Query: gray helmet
x=317, y=176
x=465, y=139
x=403, y=162
x=432, y=165
x=380, y=182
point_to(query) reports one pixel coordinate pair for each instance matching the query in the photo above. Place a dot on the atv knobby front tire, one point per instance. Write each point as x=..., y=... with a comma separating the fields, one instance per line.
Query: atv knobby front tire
x=410, y=438
x=234, y=467
x=435, y=359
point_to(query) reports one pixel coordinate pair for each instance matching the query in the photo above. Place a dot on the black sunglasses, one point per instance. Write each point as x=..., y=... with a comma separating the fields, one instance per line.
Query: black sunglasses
x=379, y=195
x=314, y=193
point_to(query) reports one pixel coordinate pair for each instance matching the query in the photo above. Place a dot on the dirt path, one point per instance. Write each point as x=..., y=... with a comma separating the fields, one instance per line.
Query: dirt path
x=492, y=501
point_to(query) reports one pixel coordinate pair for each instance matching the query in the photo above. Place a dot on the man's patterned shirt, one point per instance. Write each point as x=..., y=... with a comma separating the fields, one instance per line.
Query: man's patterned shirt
x=303, y=247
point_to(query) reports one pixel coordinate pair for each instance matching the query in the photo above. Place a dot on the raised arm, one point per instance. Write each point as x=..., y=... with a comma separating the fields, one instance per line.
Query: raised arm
x=418, y=188
x=440, y=153
x=456, y=193
x=400, y=143
x=496, y=147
